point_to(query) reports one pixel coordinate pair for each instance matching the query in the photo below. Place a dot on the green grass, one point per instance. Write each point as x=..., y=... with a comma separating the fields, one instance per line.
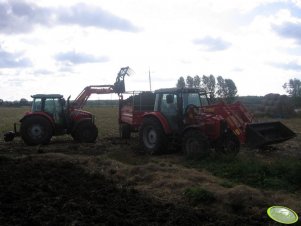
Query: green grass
x=106, y=120
x=279, y=174
x=10, y=115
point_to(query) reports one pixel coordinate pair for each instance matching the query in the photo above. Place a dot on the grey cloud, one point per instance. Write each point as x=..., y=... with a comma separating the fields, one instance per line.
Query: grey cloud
x=79, y=58
x=13, y=60
x=212, y=44
x=289, y=30
x=271, y=8
x=288, y=66
x=84, y=15
x=21, y=17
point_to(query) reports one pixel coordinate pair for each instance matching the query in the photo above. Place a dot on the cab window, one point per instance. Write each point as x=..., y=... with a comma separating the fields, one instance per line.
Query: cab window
x=191, y=98
x=37, y=105
x=169, y=104
x=52, y=105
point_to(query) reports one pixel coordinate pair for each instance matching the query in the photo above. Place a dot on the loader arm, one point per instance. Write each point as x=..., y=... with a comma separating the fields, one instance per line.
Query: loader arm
x=118, y=88
x=255, y=135
x=82, y=98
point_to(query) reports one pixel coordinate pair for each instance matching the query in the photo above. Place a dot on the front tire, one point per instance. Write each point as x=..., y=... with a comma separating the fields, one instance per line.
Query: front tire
x=229, y=146
x=36, y=130
x=195, y=144
x=85, y=132
x=152, y=137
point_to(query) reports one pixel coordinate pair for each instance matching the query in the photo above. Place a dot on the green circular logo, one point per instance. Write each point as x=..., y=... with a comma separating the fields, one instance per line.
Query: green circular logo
x=282, y=214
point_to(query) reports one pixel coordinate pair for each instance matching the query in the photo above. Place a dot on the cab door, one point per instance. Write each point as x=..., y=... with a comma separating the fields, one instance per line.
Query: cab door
x=54, y=107
x=170, y=109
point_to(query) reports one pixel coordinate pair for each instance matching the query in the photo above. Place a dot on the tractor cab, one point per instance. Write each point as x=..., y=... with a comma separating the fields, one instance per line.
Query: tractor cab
x=176, y=103
x=51, y=104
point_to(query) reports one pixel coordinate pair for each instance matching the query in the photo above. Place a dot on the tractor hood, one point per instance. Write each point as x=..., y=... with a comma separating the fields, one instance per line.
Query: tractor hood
x=78, y=114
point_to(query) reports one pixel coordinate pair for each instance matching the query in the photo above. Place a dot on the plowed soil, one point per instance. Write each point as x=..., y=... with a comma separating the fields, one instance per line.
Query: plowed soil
x=111, y=182
x=66, y=183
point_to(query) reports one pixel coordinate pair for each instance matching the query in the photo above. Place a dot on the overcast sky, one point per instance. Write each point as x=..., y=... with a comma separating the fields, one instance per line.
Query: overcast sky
x=51, y=46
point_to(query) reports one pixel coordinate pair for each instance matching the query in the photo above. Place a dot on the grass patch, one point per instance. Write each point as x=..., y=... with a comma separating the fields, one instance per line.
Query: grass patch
x=10, y=115
x=281, y=174
x=197, y=195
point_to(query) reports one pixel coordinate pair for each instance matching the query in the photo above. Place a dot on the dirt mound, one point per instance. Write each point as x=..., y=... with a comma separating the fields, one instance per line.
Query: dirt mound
x=44, y=192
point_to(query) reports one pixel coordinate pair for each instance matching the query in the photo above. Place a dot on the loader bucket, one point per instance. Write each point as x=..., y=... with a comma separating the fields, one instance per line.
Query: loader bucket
x=262, y=134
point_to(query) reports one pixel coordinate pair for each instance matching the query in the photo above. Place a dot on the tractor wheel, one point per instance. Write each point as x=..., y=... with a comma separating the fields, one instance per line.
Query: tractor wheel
x=195, y=144
x=36, y=130
x=125, y=131
x=229, y=145
x=152, y=137
x=85, y=132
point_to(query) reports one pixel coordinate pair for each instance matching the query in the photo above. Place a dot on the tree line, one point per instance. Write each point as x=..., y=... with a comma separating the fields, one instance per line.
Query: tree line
x=24, y=102
x=217, y=88
x=293, y=88
x=17, y=103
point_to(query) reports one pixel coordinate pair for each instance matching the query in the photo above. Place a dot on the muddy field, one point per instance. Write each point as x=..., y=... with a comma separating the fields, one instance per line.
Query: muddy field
x=112, y=183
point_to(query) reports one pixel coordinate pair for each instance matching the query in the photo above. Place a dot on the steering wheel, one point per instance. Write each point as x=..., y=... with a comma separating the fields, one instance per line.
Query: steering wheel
x=191, y=110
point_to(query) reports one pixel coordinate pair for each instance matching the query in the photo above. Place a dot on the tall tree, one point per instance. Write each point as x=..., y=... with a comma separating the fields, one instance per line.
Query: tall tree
x=231, y=90
x=181, y=83
x=196, y=81
x=208, y=84
x=189, y=81
x=226, y=89
x=293, y=87
x=221, y=87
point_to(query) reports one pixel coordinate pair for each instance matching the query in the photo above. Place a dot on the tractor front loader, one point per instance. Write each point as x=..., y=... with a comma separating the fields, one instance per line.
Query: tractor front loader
x=253, y=134
x=51, y=115
x=185, y=117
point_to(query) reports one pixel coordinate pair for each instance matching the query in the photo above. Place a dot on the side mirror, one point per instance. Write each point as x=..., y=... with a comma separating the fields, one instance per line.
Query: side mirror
x=169, y=99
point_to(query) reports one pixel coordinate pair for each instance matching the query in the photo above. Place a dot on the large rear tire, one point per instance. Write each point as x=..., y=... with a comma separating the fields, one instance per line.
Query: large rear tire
x=36, y=130
x=152, y=137
x=195, y=144
x=85, y=132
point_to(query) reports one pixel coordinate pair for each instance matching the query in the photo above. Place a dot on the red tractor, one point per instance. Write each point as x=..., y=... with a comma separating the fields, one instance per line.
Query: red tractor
x=185, y=117
x=51, y=115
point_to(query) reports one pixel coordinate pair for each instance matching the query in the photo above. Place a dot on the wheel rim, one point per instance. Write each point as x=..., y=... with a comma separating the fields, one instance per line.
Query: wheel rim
x=192, y=146
x=231, y=147
x=36, y=132
x=150, y=138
